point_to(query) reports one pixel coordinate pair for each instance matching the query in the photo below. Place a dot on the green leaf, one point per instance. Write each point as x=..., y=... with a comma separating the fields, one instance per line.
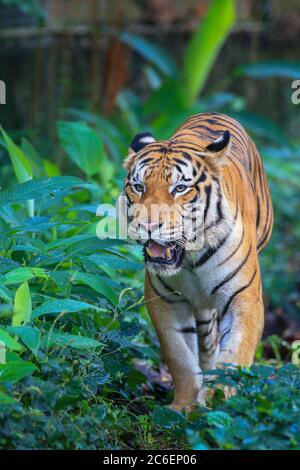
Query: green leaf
x=37, y=188
x=269, y=69
x=151, y=52
x=99, y=285
x=5, y=294
x=21, y=165
x=10, y=342
x=6, y=264
x=74, y=341
x=61, y=279
x=33, y=157
x=219, y=419
x=51, y=169
x=18, y=275
x=167, y=417
x=22, y=305
x=91, y=245
x=205, y=44
x=114, y=262
x=5, y=399
x=129, y=112
x=58, y=306
x=113, y=138
x=29, y=335
x=196, y=442
x=173, y=111
x=86, y=243
x=16, y=370
x=19, y=161
x=83, y=145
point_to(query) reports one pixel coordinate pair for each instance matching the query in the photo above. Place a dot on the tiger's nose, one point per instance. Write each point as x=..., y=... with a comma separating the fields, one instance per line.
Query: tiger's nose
x=150, y=227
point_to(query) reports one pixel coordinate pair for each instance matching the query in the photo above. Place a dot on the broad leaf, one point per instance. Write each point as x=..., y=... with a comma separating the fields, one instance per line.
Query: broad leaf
x=19, y=275
x=37, y=188
x=5, y=399
x=269, y=69
x=16, y=370
x=83, y=145
x=205, y=44
x=33, y=157
x=19, y=160
x=151, y=52
x=219, y=419
x=166, y=417
x=22, y=305
x=99, y=285
x=9, y=342
x=74, y=341
x=21, y=165
x=59, y=306
x=29, y=335
x=5, y=294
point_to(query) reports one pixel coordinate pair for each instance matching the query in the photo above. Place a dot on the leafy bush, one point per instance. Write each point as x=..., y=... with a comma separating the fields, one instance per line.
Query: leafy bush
x=262, y=415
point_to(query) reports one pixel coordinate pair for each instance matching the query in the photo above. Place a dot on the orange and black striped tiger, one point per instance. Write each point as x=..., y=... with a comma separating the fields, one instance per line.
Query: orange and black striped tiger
x=203, y=292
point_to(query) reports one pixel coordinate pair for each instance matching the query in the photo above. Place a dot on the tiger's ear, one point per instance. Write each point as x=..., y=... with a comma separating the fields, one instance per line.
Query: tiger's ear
x=220, y=146
x=140, y=141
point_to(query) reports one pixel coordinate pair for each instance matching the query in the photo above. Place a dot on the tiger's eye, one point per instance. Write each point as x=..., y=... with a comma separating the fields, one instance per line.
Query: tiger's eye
x=138, y=187
x=180, y=188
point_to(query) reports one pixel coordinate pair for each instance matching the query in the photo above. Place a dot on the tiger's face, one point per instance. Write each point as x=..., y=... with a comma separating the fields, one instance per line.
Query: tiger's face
x=168, y=191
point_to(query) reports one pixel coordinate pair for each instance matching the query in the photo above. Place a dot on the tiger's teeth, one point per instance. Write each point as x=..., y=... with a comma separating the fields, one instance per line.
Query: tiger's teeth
x=168, y=253
x=149, y=252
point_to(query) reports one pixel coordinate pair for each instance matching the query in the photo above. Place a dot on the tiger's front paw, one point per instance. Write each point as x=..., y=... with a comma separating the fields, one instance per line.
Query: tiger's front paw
x=181, y=407
x=190, y=402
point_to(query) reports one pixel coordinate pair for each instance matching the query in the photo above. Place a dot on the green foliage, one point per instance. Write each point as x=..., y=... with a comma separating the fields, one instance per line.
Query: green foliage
x=22, y=305
x=37, y=188
x=10, y=342
x=269, y=69
x=205, y=44
x=263, y=415
x=30, y=336
x=68, y=318
x=151, y=53
x=19, y=161
x=83, y=145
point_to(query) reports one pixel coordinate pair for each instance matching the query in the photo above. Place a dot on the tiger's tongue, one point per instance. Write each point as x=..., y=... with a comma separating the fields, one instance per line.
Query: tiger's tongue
x=157, y=250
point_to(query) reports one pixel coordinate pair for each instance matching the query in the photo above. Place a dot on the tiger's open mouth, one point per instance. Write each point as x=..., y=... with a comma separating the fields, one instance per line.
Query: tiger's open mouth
x=169, y=254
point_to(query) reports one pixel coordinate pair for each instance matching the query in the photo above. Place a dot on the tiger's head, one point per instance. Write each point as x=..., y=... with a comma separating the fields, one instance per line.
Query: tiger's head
x=170, y=190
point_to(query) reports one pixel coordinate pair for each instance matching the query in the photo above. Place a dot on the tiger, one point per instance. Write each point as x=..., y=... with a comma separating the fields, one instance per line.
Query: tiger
x=204, y=296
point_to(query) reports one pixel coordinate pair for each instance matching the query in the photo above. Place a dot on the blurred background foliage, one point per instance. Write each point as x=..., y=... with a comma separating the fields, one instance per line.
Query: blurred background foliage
x=82, y=79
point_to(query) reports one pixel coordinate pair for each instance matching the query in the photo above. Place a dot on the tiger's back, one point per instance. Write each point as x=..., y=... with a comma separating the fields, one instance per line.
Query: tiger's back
x=244, y=167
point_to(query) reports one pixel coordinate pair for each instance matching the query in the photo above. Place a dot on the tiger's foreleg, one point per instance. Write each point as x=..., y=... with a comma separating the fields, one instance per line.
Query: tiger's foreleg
x=176, y=330
x=208, y=337
x=240, y=328
x=208, y=340
x=241, y=322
